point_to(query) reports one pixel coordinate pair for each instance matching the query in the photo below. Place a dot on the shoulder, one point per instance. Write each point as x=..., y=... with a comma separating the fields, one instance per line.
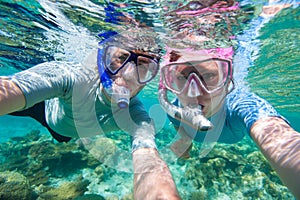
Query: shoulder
x=50, y=69
x=242, y=98
x=138, y=111
x=248, y=107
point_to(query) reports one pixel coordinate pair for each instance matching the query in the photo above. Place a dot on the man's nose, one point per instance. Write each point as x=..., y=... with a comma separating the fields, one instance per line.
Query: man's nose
x=128, y=72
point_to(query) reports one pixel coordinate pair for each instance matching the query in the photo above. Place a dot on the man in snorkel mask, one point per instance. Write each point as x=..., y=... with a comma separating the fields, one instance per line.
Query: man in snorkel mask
x=94, y=98
x=124, y=69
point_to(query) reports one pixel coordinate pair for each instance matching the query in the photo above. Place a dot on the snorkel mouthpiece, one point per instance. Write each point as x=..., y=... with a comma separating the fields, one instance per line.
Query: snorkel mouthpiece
x=194, y=115
x=121, y=95
x=191, y=115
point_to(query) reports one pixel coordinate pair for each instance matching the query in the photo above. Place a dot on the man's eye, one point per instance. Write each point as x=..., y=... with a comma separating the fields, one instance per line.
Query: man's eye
x=122, y=58
x=144, y=62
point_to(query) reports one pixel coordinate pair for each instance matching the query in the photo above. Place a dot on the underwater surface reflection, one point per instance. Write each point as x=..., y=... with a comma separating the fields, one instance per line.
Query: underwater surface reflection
x=38, y=31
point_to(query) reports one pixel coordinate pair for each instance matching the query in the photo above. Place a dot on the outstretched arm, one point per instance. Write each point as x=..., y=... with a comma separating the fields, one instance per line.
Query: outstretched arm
x=152, y=177
x=271, y=10
x=280, y=144
x=11, y=96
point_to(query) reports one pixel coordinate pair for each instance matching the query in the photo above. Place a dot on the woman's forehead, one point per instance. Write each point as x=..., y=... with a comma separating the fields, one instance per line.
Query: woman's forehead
x=185, y=56
x=189, y=54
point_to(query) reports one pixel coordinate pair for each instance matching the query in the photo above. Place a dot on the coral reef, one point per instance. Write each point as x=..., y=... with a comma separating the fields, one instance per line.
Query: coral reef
x=14, y=185
x=34, y=167
x=236, y=171
x=66, y=190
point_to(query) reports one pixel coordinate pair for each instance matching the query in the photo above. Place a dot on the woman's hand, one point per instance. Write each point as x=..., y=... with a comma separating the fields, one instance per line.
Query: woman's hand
x=280, y=144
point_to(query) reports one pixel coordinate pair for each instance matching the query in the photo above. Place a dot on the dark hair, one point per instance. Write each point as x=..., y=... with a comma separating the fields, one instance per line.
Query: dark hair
x=174, y=56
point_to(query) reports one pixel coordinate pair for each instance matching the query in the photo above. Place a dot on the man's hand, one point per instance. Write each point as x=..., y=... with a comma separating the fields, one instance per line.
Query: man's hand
x=11, y=96
x=152, y=177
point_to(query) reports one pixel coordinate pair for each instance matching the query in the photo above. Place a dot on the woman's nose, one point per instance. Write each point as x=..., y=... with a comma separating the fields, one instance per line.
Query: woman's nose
x=193, y=89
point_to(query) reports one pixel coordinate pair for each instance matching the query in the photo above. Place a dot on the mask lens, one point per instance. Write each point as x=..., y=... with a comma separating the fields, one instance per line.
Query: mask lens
x=212, y=74
x=174, y=79
x=146, y=69
x=115, y=58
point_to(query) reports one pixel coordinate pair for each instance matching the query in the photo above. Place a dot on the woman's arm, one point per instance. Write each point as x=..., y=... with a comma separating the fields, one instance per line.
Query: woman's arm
x=181, y=147
x=280, y=144
x=11, y=96
x=152, y=177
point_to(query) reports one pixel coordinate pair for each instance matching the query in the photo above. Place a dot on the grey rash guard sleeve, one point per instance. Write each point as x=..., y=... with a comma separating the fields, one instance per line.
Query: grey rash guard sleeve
x=72, y=107
x=45, y=81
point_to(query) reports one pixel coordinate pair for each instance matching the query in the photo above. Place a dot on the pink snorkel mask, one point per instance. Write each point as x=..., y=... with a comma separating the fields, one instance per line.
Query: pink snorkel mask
x=190, y=74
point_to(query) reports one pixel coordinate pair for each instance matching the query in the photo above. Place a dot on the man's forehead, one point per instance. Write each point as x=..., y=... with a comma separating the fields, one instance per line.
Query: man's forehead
x=134, y=50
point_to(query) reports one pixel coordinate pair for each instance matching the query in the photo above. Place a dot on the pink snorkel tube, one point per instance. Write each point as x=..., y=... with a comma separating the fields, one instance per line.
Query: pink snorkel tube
x=191, y=115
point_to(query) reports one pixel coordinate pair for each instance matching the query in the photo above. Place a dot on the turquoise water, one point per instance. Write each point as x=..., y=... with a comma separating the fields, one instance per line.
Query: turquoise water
x=37, y=31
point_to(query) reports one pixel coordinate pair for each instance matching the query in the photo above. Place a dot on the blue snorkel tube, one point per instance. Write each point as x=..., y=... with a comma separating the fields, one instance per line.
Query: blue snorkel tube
x=103, y=74
x=118, y=94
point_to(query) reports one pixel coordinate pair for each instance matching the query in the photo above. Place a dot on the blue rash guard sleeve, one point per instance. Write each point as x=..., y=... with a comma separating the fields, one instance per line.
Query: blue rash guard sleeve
x=242, y=108
x=249, y=107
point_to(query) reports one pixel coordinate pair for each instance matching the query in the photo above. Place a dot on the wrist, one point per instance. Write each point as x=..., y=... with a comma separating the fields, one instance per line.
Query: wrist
x=144, y=151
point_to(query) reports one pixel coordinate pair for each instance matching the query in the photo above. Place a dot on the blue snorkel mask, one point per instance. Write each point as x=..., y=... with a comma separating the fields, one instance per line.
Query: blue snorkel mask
x=118, y=94
x=118, y=52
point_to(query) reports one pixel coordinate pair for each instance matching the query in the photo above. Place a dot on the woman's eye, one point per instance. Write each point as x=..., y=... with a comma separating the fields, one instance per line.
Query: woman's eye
x=181, y=78
x=210, y=78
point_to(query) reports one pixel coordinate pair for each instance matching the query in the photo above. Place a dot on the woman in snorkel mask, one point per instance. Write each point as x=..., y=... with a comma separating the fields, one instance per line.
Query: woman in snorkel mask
x=207, y=107
x=201, y=80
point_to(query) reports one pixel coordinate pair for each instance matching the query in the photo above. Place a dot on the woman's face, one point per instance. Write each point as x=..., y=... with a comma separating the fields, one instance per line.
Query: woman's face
x=202, y=76
x=210, y=103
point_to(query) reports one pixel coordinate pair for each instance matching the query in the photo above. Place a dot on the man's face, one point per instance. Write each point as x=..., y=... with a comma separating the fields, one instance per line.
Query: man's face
x=130, y=69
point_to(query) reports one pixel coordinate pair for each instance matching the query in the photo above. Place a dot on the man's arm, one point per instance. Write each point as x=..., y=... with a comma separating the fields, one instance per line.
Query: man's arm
x=152, y=177
x=11, y=96
x=280, y=144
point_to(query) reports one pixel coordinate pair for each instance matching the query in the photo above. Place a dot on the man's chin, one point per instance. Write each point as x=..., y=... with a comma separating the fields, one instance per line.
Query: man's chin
x=136, y=92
